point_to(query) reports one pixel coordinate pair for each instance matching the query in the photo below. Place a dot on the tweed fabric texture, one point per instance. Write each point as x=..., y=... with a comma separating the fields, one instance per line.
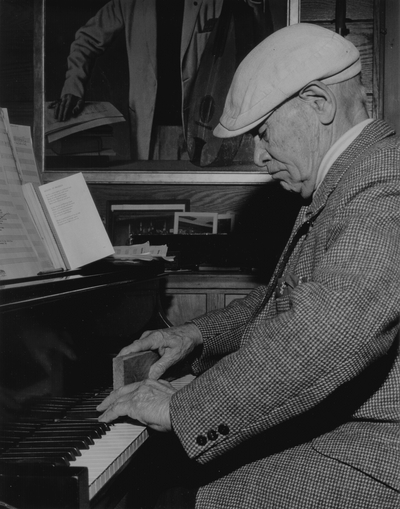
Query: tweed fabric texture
x=298, y=397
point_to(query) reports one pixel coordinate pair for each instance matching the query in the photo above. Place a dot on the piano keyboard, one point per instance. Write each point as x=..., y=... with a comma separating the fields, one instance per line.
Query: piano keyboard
x=109, y=453
x=104, y=450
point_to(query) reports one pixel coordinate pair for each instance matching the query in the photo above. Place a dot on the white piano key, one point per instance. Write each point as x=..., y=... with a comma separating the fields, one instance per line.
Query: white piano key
x=181, y=382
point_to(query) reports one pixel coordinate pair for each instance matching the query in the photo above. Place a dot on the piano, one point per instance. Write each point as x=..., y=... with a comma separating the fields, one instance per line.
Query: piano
x=58, y=335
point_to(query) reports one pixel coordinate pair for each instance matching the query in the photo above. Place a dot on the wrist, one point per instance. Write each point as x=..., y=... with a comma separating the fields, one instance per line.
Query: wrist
x=194, y=333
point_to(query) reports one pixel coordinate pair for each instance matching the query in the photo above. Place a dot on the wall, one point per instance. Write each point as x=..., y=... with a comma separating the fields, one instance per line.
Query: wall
x=359, y=21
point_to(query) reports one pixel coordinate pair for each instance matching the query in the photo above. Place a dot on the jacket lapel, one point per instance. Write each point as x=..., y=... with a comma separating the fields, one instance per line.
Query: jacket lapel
x=148, y=8
x=191, y=10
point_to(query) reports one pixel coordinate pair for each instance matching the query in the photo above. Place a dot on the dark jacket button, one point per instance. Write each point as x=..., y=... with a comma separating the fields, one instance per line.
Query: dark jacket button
x=212, y=434
x=201, y=440
x=223, y=429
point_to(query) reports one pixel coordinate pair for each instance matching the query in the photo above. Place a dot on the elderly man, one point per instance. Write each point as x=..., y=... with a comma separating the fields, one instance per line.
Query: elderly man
x=297, y=397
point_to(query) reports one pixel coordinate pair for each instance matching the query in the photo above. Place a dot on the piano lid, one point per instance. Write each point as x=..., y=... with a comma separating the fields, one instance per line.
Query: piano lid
x=15, y=293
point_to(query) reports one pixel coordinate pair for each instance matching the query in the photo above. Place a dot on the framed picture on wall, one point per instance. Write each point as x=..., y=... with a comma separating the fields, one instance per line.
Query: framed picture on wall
x=195, y=223
x=68, y=66
x=131, y=219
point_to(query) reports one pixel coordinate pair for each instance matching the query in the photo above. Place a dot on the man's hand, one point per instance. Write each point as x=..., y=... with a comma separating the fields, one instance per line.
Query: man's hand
x=173, y=345
x=68, y=106
x=147, y=402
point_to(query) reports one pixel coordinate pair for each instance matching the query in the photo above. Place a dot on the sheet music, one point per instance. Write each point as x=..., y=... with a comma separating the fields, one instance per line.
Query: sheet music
x=94, y=114
x=21, y=250
x=18, y=257
x=22, y=141
x=74, y=217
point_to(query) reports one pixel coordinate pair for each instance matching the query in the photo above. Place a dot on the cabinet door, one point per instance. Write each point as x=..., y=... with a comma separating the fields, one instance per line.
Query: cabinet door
x=179, y=308
x=186, y=296
x=230, y=297
x=182, y=307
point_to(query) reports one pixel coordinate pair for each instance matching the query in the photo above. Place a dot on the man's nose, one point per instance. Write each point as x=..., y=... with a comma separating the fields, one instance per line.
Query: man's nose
x=261, y=155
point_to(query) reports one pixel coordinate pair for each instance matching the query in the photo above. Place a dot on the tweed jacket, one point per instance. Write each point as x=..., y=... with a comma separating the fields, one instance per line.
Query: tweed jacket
x=308, y=366
x=136, y=18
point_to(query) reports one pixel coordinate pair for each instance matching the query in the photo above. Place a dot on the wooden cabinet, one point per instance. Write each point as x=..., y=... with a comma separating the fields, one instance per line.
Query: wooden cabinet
x=189, y=294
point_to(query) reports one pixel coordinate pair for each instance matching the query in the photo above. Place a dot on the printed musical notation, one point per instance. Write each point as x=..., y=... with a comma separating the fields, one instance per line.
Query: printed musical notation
x=21, y=250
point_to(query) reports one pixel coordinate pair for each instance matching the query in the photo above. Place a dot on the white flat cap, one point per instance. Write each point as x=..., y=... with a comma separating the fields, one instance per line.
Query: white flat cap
x=281, y=65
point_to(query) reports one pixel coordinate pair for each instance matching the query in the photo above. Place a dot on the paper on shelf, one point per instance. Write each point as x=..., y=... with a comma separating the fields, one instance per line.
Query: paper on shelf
x=143, y=251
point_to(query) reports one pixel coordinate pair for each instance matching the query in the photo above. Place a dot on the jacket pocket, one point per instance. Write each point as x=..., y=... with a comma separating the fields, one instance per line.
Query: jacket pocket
x=373, y=448
x=283, y=304
x=284, y=289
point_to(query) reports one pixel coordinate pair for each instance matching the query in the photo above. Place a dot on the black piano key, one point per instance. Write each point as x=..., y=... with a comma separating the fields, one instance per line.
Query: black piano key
x=50, y=414
x=64, y=399
x=22, y=452
x=38, y=421
x=81, y=425
x=83, y=414
x=57, y=435
x=6, y=444
x=103, y=425
x=23, y=426
x=74, y=442
x=55, y=462
x=11, y=438
x=95, y=432
x=76, y=451
x=53, y=404
x=15, y=434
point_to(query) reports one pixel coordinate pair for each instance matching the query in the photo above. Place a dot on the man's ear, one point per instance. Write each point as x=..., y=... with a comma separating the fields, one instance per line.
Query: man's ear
x=321, y=98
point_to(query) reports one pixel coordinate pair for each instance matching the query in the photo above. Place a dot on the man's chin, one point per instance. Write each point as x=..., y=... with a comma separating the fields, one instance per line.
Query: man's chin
x=287, y=187
x=293, y=188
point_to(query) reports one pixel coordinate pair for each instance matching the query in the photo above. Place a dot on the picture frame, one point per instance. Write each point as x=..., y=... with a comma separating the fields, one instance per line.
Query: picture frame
x=195, y=223
x=55, y=26
x=127, y=220
x=226, y=223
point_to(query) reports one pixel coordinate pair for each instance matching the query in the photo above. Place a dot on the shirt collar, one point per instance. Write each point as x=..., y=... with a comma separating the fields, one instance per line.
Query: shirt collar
x=338, y=148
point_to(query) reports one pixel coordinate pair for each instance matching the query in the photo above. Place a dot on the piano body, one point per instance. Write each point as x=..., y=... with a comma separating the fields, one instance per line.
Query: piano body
x=58, y=337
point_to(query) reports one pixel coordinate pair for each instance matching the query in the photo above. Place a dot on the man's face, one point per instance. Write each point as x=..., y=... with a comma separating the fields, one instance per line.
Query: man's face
x=287, y=146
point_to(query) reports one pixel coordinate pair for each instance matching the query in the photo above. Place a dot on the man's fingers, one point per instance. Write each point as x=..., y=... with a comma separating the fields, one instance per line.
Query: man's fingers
x=114, y=411
x=61, y=111
x=134, y=399
x=69, y=105
x=160, y=367
x=126, y=392
x=66, y=108
x=119, y=393
x=78, y=108
x=149, y=341
x=56, y=113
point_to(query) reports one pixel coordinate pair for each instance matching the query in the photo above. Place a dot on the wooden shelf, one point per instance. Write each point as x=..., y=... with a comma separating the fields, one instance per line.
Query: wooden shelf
x=132, y=175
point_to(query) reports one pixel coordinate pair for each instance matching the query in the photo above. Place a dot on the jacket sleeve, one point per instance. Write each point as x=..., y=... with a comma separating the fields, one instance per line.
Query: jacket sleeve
x=91, y=40
x=338, y=323
x=222, y=330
